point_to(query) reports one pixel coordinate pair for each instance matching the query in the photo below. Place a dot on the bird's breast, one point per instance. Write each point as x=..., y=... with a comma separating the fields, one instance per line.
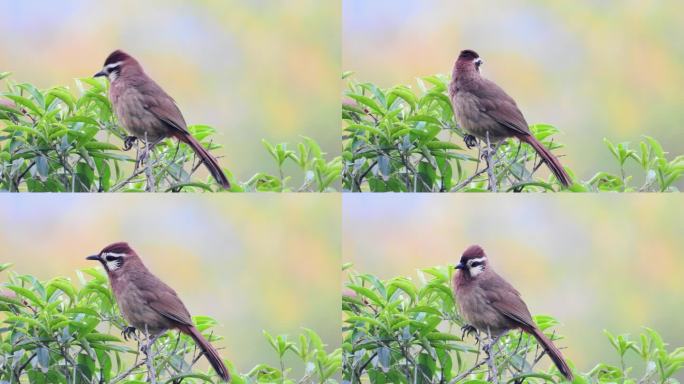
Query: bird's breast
x=477, y=310
x=132, y=109
x=471, y=118
x=135, y=308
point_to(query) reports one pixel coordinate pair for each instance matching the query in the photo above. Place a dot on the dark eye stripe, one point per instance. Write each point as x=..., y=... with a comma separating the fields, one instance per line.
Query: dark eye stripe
x=112, y=258
x=475, y=264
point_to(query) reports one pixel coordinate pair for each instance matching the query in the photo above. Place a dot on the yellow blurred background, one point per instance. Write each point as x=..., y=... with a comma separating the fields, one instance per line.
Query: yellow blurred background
x=253, y=71
x=252, y=262
x=591, y=68
x=594, y=262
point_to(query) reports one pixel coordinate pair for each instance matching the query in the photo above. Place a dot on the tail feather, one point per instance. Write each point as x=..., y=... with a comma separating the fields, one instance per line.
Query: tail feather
x=209, y=351
x=552, y=351
x=209, y=161
x=550, y=160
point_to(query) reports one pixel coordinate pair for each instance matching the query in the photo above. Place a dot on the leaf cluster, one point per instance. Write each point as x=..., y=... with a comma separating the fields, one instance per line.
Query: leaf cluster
x=403, y=332
x=59, y=332
x=53, y=141
x=397, y=140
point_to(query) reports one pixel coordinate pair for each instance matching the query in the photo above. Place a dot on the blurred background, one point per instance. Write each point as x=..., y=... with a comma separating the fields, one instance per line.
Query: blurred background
x=251, y=71
x=593, y=262
x=592, y=68
x=254, y=263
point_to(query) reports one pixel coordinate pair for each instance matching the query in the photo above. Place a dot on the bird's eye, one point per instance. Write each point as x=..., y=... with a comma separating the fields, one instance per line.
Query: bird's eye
x=475, y=264
x=111, y=258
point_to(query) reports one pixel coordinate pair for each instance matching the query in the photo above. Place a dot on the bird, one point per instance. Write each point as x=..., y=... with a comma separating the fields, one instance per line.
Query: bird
x=147, y=303
x=485, y=111
x=490, y=304
x=147, y=112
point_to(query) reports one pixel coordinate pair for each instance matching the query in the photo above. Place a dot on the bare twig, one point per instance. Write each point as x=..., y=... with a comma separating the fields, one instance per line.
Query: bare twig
x=124, y=375
x=490, y=166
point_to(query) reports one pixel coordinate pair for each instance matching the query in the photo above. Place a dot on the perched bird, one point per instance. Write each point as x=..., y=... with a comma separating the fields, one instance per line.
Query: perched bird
x=491, y=305
x=147, y=112
x=485, y=111
x=147, y=303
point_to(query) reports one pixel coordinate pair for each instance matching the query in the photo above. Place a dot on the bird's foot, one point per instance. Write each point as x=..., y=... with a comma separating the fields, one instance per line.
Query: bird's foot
x=129, y=332
x=469, y=330
x=470, y=141
x=128, y=142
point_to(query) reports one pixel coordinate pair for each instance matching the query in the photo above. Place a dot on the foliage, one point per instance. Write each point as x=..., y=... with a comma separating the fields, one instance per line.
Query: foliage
x=55, y=332
x=53, y=141
x=397, y=331
x=320, y=175
x=398, y=141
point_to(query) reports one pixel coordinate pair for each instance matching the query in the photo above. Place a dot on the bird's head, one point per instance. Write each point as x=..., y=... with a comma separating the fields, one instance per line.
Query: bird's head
x=473, y=261
x=116, y=62
x=115, y=257
x=469, y=60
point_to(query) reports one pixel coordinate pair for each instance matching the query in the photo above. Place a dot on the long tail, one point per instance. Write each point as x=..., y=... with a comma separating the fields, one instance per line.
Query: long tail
x=209, y=351
x=551, y=160
x=552, y=351
x=209, y=161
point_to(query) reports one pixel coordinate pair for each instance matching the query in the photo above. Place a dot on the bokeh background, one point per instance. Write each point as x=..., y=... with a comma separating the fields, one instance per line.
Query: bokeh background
x=254, y=263
x=252, y=69
x=592, y=68
x=593, y=262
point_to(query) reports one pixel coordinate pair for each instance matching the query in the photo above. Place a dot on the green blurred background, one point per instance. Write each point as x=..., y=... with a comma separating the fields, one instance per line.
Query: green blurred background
x=592, y=68
x=252, y=69
x=252, y=262
x=593, y=262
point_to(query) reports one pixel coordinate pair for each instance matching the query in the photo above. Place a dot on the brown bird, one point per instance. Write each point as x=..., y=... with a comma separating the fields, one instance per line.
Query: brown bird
x=147, y=303
x=149, y=113
x=491, y=305
x=485, y=111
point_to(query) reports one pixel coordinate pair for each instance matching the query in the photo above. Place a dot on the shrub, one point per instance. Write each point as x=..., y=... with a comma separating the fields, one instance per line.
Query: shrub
x=53, y=141
x=397, y=331
x=398, y=141
x=57, y=332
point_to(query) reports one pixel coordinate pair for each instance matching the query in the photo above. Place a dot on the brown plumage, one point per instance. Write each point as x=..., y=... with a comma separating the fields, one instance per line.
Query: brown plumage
x=149, y=113
x=147, y=303
x=482, y=108
x=492, y=305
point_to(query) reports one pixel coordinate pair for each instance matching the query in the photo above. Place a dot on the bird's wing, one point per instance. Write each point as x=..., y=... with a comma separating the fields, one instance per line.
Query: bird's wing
x=163, y=107
x=163, y=299
x=495, y=103
x=506, y=299
x=170, y=306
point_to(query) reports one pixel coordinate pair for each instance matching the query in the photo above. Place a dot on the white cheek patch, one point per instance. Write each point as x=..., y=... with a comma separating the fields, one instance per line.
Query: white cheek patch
x=476, y=266
x=112, y=70
x=476, y=271
x=115, y=263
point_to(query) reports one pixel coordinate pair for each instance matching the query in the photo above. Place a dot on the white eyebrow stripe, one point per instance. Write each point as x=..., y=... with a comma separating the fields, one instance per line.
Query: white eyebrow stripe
x=113, y=65
x=479, y=259
x=114, y=254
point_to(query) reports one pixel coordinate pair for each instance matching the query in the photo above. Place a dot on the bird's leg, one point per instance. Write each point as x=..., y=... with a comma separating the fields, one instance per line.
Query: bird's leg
x=148, y=165
x=489, y=154
x=128, y=142
x=147, y=148
x=470, y=141
x=129, y=332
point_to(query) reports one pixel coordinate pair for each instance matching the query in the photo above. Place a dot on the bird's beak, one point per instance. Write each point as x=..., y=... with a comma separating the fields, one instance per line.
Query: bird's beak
x=460, y=266
x=100, y=74
x=93, y=257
